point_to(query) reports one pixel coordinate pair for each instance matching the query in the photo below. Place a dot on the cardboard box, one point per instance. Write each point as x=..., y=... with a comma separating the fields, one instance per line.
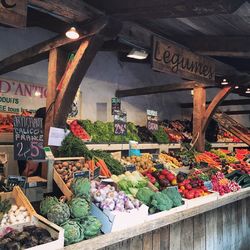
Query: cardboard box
x=114, y=220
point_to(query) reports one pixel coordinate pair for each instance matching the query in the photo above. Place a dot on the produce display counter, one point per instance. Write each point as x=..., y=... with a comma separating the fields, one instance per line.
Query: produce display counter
x=220, y=224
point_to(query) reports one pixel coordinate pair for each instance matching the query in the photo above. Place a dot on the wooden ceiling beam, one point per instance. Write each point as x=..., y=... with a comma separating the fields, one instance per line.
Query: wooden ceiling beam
x=224, y=103
x=187, y=85
x=238, y=112
x=237, y=46
x=134, y=10
x=41, y=50
x=67, y=10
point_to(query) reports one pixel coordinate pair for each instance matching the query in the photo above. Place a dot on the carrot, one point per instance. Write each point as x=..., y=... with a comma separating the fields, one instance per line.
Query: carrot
x=105, y=168
x=102, y=171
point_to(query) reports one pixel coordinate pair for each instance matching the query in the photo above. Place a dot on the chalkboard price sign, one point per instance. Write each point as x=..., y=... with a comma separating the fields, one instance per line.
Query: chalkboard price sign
x=28, y=138
x=152, y=120
x=115, y=104
x=120, y=123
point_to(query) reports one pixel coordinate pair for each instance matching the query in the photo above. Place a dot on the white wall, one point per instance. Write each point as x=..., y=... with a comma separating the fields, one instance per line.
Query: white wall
x=104, y=77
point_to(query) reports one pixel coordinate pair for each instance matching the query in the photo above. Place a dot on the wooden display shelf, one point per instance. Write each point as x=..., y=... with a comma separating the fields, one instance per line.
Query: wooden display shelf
x=6, y=137
x=152, y=227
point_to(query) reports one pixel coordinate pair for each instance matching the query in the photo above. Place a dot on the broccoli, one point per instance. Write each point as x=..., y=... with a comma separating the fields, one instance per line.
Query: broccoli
x=174, y=195
x=161, y=202
x=145, y=195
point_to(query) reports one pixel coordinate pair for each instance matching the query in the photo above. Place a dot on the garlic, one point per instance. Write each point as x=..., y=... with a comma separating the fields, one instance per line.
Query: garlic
x=25, y=214
x=27, y=219
x=21, y=208
x=14, y=208
x=20, y=217
x=3, y=221
x=12, y=219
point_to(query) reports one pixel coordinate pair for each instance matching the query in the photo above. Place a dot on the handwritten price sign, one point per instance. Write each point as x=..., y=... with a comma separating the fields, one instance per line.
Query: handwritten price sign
x=28, y=138
x=120, y=123
x=152, y=120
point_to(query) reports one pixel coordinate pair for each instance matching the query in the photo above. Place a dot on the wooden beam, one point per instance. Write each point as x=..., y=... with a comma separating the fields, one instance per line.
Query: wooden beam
x=232, y=46
x=198, y=115
x=187, y=85
x=69, y=11
x=223, y=103
x=132, y=10
x=74, y=75
x=56, y=69
x=41, y=50
x=238, y=112
x=222, y=94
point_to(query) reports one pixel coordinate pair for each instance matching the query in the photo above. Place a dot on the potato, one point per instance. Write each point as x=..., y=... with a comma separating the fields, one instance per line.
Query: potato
x=78, y=165
x=74, y=169
x=65, y=164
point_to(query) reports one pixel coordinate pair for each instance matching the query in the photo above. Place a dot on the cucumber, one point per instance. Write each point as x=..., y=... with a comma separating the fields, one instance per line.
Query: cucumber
x=233, y=174
x=240, y=180
x=246, y=185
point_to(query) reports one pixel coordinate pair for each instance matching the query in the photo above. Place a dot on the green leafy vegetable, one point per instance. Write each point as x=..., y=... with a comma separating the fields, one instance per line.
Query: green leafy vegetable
x=174, y=195
x=161, y=136
x=145, y=195
x=161, y=202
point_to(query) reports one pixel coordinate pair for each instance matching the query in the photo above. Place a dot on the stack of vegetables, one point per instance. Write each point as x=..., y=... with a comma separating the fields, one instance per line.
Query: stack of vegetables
x=240, y=177
x=106, y=197
x=28, y=237
x=75, y=147
x=161, y=178
x=192, y=187
x=142, y=163
x=11, y=214
x=223, y=185
x=159, y=201
x=169, y=160
x=74, y=217
x=129, y=182
x=78, y=131
x=103, y=132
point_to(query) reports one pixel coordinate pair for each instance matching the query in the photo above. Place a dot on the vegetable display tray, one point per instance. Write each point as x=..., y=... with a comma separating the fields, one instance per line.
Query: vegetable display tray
x=55, y=231
x=17, y=197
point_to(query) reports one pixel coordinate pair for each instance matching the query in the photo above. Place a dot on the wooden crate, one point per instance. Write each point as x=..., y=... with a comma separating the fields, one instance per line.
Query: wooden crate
x=59, y=181
x=55, y=231
x=18, y=197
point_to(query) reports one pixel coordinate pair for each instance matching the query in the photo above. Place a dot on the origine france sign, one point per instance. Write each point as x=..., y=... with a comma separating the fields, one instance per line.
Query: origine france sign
x=172, y=58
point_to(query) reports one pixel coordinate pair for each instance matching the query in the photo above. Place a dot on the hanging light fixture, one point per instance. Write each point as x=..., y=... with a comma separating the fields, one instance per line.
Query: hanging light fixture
x=138, y=54
x=236, y=87
x=248, y=91
x=72, y=33
x=224, y=82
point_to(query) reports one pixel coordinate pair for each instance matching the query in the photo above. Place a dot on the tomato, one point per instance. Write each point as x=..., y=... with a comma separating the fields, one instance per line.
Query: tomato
x=182, y=187
x=189, y=195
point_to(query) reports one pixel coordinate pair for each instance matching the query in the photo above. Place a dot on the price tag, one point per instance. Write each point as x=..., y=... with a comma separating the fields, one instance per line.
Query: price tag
x=130, y=168
x=120, y=123
x=159, y=166
x=115, y=104
x=155, y=157
x=14, y=180
x=28, y=138
x=203, y=164
x=97, y=172
x=84, y=174
x=152, y=120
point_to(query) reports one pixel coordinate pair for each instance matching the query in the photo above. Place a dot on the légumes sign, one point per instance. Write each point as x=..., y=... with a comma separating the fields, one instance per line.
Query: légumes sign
x=170, y=57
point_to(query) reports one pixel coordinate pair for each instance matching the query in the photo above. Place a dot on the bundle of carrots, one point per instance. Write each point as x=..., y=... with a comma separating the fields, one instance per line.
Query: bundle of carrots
x=91, y=165
x=104, y=171
x=205, y=158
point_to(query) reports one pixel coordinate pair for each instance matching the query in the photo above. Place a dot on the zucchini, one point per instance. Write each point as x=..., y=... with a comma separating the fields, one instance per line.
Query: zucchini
x=233, y=174
x=242, y=178
x=246, y=185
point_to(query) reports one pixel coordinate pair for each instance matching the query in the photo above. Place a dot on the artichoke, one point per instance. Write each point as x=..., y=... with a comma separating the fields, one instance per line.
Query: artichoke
x=59, y=213
x=91, y=227
x=79, y=207
x=81, y=188
x=73, y=232
x=46, y=204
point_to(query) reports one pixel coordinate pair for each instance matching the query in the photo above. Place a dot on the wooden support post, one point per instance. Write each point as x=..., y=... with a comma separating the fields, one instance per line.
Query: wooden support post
x=221, y=95
x=73, y=77
x=198, y=114
x=57, y=65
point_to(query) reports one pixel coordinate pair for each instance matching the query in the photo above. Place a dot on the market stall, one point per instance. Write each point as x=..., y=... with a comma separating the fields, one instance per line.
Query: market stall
x=124, y=171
